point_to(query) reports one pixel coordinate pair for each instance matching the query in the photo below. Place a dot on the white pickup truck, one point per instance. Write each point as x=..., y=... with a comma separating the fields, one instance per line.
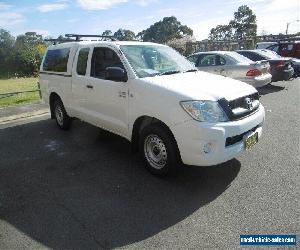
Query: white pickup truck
x=151, y=95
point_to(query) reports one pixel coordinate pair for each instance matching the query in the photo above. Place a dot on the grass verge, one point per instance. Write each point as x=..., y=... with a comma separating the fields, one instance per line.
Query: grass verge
x=16, y=85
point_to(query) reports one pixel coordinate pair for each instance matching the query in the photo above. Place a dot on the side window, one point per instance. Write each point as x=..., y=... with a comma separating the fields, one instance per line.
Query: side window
x=193, y=59
x=287, y=47
x=221, y=60
x=56, y=60
x=103, y=58
x=212, y=60
x=208, y=60
x=82, y=61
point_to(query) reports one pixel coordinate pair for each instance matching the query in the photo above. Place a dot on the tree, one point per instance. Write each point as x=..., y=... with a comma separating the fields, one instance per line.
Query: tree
x=221, y=32
x=28, y=40
x=107, y=33
x=6, y=48
x=28, y=51
x=26, y=62
x=124, y=35
x=244, y=23
x=181, y=44
x=166, y=30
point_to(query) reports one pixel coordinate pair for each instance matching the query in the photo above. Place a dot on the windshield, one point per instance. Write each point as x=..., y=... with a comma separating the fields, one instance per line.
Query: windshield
x=152, y=60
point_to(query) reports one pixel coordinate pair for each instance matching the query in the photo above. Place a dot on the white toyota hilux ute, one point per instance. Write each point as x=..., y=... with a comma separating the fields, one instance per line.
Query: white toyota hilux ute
x=151, y=95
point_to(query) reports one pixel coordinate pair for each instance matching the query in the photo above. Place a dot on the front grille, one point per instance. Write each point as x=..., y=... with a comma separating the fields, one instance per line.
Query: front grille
x=235, y=139
x=240, y=102
x=240, y=107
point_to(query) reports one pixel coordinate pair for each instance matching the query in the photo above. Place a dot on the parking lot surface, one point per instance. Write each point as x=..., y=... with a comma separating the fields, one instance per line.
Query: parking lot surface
x=83, y=189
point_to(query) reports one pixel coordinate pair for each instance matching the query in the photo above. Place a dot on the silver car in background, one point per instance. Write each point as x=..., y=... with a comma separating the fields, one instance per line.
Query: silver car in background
x=233, y=65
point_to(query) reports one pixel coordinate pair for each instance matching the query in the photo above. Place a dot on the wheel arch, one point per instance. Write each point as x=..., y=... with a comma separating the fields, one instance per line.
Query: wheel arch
x=140, y=123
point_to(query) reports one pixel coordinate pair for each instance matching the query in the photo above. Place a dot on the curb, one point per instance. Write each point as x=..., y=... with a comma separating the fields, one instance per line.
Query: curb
x=24, y=116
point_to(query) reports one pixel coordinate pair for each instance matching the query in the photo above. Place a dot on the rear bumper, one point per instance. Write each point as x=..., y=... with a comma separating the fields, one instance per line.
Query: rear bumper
x=296, y=70
x=258, y=81
x=193, y=139
x=282, y=75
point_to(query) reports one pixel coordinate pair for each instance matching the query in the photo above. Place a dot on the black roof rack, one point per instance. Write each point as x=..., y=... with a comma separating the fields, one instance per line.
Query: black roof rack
x=103, y=38
x=57, y=41
x=77, y=38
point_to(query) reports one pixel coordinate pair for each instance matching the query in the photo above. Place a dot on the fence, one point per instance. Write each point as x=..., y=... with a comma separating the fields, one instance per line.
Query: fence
x=7, y=95
x=209, y=45
x=246, y=43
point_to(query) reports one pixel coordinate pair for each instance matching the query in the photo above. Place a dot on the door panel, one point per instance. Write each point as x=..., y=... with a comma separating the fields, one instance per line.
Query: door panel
x=79, y=82
x=107, y=103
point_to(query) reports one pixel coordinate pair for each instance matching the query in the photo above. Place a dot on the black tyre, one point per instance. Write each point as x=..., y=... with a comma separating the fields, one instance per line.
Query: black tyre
x=159, y=150
x=61, y=116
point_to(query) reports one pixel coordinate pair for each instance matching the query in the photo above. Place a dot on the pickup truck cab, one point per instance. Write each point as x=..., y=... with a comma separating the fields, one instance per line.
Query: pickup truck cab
x=151, y=95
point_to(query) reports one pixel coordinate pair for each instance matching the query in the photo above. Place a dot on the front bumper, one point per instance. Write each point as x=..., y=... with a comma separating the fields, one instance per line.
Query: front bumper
x=193, y=137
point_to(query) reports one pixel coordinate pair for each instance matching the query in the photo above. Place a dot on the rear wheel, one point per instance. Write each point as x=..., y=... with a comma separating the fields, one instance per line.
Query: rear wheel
x=159, y=150
x=61, y=116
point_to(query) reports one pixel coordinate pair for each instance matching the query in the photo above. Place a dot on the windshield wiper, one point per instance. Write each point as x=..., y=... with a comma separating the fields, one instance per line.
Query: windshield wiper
x=170, y=72
x=190, y=70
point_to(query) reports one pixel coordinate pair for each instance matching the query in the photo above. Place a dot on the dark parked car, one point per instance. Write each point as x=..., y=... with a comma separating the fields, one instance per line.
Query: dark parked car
x=281, y=68
x=295, y=62
x=286, y=49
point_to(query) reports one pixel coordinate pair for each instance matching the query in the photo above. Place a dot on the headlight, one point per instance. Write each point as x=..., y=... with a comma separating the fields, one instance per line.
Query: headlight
x=204, y=111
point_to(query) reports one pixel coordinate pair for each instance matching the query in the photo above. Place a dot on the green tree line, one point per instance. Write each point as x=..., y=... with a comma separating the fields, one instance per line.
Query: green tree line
x=21, y=56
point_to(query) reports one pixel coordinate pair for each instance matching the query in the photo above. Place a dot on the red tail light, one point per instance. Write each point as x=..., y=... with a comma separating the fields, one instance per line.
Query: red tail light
x=280, y=64
x=253, y=72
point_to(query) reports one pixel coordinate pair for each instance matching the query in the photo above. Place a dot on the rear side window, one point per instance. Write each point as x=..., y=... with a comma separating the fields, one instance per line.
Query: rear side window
x=56, y=60
x=82, y=61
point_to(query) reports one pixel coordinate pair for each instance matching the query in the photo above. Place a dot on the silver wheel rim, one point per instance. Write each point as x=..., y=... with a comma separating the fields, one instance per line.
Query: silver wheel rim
x=59, y=115
x=155, y=151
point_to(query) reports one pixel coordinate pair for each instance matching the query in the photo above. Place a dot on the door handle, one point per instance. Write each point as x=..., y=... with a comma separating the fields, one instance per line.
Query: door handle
x=89, y=86
x=122, y=94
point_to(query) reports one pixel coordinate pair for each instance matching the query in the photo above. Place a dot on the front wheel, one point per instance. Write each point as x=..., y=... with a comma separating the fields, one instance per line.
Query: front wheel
x=61, y=116
x=159, y=150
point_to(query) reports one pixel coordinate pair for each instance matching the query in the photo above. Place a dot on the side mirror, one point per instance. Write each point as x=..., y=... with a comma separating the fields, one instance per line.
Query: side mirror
x=115, y=74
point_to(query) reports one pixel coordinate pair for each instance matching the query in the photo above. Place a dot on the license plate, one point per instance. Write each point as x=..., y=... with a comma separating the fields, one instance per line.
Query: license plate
x=250, y=141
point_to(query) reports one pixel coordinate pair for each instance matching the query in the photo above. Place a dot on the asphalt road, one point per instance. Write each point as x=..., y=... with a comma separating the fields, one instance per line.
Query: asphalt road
x=83, y=189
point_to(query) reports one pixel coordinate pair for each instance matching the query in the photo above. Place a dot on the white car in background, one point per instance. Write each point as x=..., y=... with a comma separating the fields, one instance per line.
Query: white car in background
x=233, y=65
x=152, y=96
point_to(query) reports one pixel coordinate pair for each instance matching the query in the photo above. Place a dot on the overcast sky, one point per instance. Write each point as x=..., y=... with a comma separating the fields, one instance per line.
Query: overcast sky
x=54, y=17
